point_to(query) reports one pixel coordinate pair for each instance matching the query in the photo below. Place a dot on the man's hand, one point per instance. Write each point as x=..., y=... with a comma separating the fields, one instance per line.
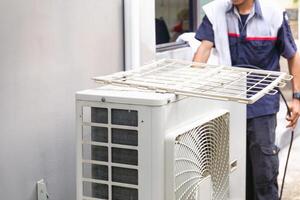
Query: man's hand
x=294, y=67
x=295, y=113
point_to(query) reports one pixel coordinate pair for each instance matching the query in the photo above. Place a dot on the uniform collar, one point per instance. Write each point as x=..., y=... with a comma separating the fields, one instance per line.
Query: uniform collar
x=256, y=9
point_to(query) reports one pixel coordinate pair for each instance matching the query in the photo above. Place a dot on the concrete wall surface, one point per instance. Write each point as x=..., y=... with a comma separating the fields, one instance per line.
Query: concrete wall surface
x=49, y=50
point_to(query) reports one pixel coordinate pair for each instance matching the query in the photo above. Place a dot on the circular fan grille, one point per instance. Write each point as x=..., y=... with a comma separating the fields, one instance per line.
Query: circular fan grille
x=200, y=152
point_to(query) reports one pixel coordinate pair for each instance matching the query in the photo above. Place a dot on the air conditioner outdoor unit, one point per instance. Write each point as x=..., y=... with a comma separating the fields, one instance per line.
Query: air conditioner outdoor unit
x=141, y=138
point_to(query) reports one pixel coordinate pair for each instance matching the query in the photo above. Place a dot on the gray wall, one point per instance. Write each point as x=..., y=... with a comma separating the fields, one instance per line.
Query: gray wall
x=48, y=50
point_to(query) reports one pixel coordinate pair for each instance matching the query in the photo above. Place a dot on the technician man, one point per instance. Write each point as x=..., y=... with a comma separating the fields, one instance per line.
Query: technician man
x=254, y=32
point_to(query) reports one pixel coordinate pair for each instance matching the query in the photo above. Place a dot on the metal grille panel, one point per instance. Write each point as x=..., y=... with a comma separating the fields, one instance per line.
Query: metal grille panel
x=200, y=153
x=201, y=80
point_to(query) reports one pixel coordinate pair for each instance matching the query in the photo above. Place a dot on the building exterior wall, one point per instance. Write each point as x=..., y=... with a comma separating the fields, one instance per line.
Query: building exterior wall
x=49, y=50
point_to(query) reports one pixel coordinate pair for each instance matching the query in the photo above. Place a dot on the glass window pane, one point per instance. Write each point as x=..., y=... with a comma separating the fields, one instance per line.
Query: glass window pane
x=173, y=18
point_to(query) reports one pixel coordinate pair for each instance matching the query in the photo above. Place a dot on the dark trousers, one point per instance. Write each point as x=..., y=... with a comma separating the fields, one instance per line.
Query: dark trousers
x=262, y=159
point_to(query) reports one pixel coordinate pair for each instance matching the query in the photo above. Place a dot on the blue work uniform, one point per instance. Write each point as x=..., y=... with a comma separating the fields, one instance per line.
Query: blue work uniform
x=248, y=47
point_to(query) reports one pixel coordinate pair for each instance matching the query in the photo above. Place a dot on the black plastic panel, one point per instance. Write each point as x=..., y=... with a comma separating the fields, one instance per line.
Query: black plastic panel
x=95, y=190
x=99, y=134
x=124, y=117
x=125, y=156
x=99, y=115
x=99, y=153
x=92, y=171
x=124, y=175
x=125, y=137
x=123, y=193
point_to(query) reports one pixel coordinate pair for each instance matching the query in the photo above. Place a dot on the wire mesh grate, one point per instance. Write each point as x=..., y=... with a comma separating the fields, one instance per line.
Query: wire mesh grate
x=201, y=80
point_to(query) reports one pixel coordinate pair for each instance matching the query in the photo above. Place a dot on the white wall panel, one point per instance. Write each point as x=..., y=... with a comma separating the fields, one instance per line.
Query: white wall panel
x=49, y=49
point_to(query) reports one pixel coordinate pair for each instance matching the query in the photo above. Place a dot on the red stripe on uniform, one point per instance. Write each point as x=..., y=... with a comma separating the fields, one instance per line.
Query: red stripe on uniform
x=254, y=38
x=233, y=35
x=261, y=38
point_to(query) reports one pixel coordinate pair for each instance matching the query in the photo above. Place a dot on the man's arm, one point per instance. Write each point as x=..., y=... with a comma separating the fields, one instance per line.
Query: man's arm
x=288, y=49
x=294, y=67
x=206, y=35
x=203, y=52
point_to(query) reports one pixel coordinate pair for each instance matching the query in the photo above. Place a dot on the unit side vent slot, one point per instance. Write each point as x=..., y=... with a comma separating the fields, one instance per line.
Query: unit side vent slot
x=125, y=137
x=92, y=171
x=123, y=193
x=95, y=190
x=125, y=156
x=124, y=117
x=110, y=154
x=95, y=134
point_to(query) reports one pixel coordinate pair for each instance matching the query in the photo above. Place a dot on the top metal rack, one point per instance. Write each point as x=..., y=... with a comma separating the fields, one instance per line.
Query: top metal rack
x=201, y=80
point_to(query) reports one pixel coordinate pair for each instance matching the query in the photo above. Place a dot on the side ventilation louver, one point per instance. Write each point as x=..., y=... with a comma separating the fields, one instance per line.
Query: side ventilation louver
x=109, y=154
